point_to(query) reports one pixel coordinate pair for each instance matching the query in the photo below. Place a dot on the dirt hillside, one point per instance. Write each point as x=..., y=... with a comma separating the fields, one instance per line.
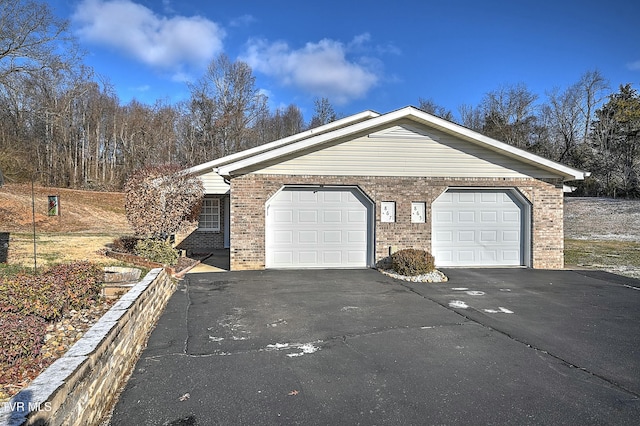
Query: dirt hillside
x=80, y=211
x=88, y=223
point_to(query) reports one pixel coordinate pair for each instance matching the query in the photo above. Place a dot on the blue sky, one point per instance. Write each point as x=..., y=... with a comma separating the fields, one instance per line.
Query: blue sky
x=378, y=55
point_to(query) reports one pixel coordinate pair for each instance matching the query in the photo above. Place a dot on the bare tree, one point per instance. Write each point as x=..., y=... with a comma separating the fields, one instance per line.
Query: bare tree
x=592, y=84
x=509, y=115
x=226, y=105
x=471, y=117
x=429, y=105
x=30, y=37
x=323, y=113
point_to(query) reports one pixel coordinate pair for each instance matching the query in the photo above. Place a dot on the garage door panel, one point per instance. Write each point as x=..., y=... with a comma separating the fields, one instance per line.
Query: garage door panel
x=308, y=237
x=466, y=217
x=306, y=197
x=512, y=256
x=283, y=237
x=488, y=217
x=488, y=256
x=357, y=237
x=332, y=258
x=443, y=236
x=354, y=216
x=511, y=216
x=283, y=217
x=477, y=228
x=465, y=198
x=465, y=256
x=488, y=236
x=332, y=217
x=465, y=236
x=332, y=237
x=511, y=236
x=282, y=257
x=307, y=257
x=308, y=216
x=328, y=197
x=330, y=228
x=443, y=217
x=357, y=257
x=489, y=197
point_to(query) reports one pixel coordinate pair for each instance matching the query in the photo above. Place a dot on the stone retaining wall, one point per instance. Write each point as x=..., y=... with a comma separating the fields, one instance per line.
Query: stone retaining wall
x=80, y=387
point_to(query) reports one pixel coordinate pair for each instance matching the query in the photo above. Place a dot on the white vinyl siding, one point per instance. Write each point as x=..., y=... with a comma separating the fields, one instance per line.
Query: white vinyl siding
x=214, y=184
x=210, y=215
x=406, y=151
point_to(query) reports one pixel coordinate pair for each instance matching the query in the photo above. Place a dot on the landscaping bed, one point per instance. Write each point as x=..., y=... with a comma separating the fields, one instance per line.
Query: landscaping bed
x=41, y=316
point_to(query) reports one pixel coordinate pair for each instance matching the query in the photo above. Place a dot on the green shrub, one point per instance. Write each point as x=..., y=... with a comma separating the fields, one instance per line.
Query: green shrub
x=412, y=262
x=157, y=251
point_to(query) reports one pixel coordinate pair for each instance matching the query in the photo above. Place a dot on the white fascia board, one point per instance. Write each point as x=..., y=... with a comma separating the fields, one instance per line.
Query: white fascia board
x=414, y=114
x=212, y=165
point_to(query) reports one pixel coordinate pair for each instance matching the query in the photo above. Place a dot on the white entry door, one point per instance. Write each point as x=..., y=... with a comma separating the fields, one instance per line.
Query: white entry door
x=477, y=228
x=317, y=228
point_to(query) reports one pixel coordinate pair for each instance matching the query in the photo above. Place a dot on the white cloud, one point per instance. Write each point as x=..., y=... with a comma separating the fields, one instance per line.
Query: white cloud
x=169, y=44
x=634, y=66
x=242, y=21
x=321, y=69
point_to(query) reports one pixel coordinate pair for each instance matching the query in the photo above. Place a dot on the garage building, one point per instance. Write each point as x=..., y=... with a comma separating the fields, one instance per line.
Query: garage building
x=347, y=194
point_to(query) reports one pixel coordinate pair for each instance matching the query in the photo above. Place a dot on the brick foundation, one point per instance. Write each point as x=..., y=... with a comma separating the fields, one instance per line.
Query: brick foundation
x=249, y=194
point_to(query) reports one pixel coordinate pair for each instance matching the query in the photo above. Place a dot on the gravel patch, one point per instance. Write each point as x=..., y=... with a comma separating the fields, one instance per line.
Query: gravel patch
x=431, y=277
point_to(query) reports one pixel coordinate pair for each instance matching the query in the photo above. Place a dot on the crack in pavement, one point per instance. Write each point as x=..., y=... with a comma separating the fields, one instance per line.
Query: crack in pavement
x=186, y=315
x=535, y=348
x=277, y=347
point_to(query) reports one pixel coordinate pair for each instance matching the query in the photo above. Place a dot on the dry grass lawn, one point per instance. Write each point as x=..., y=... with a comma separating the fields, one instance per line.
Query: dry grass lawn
x=87, y=224
x=603, y=233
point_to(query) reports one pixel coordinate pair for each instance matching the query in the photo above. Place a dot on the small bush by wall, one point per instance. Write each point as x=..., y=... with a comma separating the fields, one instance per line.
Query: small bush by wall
x=412, y=262
x=157, y=251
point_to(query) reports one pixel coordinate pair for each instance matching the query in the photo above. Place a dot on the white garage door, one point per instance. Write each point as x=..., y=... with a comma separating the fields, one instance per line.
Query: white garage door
x=317, y=228
x=477, y=228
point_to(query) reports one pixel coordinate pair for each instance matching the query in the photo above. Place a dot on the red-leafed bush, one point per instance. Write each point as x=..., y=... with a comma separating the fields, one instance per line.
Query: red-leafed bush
x=20, y=336
x=48, y=295
x=28, y=302
x=412, y=262
x=161, y=200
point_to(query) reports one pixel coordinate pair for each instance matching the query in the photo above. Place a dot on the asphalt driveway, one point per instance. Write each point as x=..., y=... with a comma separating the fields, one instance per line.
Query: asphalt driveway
x=507, y=346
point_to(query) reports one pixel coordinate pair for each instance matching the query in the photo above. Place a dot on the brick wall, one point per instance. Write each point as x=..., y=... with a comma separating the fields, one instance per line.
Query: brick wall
x=249, y=194
x=195, y=241
x=80, y=387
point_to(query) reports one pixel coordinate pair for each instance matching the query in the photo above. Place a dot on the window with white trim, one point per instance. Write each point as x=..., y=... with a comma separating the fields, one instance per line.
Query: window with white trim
x=210, y=215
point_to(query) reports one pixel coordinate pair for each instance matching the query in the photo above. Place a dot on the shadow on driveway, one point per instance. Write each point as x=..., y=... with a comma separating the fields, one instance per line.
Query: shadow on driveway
x=357, y=347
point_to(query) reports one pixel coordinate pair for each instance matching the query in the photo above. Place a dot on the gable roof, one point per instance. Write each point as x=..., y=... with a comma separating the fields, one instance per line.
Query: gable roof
x=289, y=140
x=251, y=159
